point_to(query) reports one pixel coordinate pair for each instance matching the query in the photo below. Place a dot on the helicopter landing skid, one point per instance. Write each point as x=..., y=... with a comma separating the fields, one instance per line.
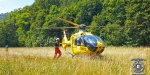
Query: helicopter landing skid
x=71, y=54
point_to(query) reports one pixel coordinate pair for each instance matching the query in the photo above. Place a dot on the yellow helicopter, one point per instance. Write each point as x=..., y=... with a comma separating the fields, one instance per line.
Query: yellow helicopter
x=82, y=42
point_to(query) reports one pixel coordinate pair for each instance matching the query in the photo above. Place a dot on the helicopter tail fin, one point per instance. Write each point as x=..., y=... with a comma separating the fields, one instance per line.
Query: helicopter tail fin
x=65, y=41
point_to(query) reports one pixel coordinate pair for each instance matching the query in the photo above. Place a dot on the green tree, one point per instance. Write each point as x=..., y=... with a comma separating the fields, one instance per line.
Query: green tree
x=23, y=26
x=7, y=32
x=137, y=23
x=113, y=35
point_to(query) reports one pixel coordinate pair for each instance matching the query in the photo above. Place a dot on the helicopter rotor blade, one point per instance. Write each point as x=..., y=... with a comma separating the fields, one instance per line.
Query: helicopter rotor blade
x=56, y=27
x=62, y=27
x=68, y=21
x=95, y=26
x=79, y=26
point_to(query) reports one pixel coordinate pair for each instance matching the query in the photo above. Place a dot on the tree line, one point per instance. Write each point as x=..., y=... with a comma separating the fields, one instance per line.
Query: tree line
x=126, y=22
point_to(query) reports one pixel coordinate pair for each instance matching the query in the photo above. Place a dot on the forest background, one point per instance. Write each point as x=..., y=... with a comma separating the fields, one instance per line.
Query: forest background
x=126, y=22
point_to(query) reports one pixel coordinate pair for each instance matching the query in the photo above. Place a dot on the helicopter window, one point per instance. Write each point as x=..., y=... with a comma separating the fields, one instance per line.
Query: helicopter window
x=99, y=39
x=75, y=41
x=78, y=41
x=90, y=39
x=84, y=40
x=81, y=30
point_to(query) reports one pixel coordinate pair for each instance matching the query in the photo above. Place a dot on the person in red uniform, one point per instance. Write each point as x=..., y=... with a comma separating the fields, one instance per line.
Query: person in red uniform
x=57, y=50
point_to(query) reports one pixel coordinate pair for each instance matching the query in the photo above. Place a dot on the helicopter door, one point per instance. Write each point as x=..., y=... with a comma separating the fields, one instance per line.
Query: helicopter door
x=79, y=46
x=78, y=42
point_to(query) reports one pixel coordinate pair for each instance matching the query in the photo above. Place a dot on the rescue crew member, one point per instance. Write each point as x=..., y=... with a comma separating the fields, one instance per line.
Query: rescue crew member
x=57, y=50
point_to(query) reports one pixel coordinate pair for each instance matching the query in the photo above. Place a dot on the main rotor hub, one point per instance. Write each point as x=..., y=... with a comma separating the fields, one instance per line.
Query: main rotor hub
x=82, y=26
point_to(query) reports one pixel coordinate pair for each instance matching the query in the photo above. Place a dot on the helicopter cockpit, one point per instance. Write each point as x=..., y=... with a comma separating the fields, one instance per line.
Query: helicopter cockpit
x=88, y=41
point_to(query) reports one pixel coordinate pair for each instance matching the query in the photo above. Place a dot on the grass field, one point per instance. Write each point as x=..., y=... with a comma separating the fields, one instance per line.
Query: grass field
x=39, y=61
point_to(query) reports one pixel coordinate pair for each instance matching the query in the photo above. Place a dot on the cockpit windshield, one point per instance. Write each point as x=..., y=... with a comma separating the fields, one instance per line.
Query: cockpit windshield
x=87, y=40
x=99, y=39
x=84, y=40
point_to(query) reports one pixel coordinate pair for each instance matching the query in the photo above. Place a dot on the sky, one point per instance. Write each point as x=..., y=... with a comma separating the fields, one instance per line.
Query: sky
x=10, y=5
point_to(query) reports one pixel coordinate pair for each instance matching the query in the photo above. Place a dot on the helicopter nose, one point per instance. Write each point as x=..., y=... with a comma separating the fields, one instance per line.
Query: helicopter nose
x=92, y=47
x=90, y=42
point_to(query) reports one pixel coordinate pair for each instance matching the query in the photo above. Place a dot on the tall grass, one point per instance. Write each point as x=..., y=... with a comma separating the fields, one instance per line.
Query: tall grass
x=39, y=61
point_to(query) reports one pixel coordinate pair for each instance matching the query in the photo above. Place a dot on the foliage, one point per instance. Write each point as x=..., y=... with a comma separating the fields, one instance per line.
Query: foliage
x=126, y=22
x=137, y=22
x=3, y=16
x=111, y=33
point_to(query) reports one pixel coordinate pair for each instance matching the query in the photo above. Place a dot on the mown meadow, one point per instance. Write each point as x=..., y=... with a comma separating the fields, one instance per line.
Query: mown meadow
x=39, y=61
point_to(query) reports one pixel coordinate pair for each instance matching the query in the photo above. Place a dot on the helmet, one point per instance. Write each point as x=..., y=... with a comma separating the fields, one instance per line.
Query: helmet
x=57, y=39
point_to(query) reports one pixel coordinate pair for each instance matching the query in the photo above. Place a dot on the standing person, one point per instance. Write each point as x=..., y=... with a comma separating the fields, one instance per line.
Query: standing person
x=6, y=48
x=57, y=50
